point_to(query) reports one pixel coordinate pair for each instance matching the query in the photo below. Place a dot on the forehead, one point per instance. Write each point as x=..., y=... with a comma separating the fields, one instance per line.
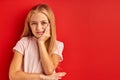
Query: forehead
x=38, y=16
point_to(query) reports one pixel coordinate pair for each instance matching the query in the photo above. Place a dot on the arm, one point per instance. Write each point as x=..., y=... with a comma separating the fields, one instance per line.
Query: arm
x=49, y=62
x=16, y=73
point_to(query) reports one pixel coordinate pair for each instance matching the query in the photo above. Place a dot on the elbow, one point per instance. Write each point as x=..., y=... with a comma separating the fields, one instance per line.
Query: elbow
x=49, y=71
x=11, y=76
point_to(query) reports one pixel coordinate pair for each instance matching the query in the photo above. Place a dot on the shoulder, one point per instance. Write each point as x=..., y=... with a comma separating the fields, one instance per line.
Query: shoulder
x=59, y=44
x=24, y=40
x=21, y=45
x=59, y=48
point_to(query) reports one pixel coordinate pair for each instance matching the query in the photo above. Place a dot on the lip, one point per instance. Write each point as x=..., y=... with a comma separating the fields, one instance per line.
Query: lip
x=39, y=32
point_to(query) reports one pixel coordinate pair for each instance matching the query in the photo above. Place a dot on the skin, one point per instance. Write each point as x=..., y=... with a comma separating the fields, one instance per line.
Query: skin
x=39, y=24
x=40, y=28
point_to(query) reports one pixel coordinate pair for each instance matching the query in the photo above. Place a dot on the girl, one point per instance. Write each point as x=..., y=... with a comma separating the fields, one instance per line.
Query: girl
x=37, y=53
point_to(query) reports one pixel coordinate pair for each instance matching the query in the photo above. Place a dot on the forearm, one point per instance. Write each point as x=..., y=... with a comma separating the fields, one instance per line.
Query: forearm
x=20, y=75
x=46, y=60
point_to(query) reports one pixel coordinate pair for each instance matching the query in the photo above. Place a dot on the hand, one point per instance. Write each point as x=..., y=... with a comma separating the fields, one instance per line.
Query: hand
x=55, y=76
x=45, y=36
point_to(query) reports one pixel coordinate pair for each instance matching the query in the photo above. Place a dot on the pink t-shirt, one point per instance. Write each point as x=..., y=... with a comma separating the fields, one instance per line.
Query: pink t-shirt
x=31, y=61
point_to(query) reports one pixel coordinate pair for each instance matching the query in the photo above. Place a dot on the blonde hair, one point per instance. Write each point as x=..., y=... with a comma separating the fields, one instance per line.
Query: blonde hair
x=46, y=10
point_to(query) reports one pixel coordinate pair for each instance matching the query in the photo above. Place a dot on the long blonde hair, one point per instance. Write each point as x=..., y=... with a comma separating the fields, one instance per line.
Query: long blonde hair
x=46, y=10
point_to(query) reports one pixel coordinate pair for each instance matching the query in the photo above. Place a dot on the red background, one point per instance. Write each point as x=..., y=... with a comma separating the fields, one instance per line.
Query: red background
x=90, y=30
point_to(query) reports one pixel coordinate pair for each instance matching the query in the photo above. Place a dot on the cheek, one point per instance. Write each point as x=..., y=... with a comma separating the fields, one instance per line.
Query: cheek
x=43, y=28
x=32, y=28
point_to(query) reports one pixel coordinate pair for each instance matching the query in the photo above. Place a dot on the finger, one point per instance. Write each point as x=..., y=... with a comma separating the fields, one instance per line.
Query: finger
x=59, y=77
x=61, y=74
x=46, y=29
x=47, y=32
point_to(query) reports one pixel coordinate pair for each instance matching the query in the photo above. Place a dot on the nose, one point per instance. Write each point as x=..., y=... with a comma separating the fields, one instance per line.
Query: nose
x=39, y=27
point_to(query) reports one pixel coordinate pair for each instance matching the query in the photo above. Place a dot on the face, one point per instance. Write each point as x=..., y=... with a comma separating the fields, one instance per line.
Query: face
x=38, y=24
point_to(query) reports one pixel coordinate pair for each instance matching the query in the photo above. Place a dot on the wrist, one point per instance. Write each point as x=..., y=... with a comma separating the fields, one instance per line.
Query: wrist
x=42, y=77
x=41, y=42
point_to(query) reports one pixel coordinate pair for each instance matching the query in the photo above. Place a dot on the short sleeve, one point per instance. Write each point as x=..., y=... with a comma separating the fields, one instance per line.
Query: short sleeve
x=20, y=45
x=59, y=49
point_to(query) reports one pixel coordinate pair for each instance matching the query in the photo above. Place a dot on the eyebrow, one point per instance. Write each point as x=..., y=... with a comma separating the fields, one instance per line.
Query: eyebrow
x=40, y=21
x=33, y=21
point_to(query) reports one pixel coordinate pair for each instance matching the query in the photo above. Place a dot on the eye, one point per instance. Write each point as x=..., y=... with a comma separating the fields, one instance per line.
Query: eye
x=43, y=23
x=33, y=23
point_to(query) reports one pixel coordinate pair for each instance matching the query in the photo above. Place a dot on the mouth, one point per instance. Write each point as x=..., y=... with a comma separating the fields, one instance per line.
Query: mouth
x=41, y=32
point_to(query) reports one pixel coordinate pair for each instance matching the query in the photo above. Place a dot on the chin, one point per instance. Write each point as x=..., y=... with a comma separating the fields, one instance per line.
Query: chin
x=38, y=36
